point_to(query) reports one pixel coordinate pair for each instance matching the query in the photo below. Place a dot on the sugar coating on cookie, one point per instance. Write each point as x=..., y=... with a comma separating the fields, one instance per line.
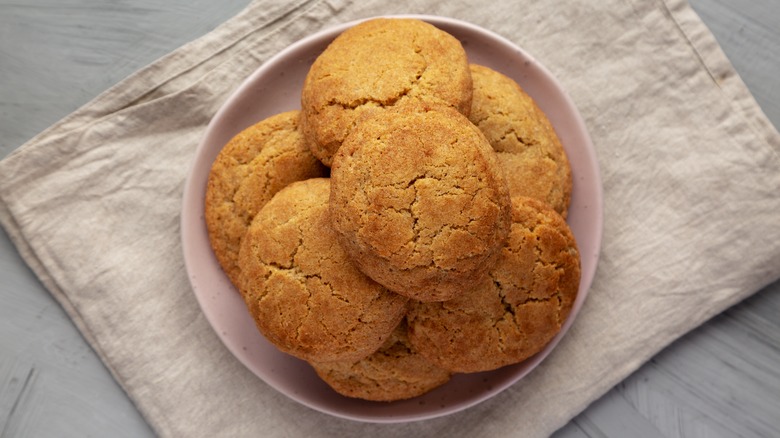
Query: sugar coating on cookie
x=395, y=372
x=528, y=147
x=305, y=295
x=377, y=64
x=254, y=165
x=419, y=201
x=517, y=309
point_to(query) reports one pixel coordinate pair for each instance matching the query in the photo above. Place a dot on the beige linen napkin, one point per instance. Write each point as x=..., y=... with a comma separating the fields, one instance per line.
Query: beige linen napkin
x=690, y=169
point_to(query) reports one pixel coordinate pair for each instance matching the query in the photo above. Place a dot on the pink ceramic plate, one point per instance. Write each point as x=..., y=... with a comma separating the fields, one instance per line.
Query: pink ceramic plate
x=275, y=87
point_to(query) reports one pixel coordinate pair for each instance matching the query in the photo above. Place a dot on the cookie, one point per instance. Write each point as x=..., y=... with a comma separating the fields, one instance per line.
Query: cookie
x=304, y=294
x=419, y=201
x=517, y=309
x=378, y=64
x=394, y=372
x=249, y=170
x=528, y=147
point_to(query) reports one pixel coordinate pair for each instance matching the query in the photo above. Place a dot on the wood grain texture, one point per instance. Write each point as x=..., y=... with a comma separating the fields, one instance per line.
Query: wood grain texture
x=51, y=382
x=721, y=380
x=749, y=33
x=54, y=57
x=17, y=381
x=57, y=55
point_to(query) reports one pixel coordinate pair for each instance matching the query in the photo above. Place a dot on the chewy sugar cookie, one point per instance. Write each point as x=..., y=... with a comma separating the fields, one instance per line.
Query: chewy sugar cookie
x=515, y=310
x=304, y=294
x=419, y=201
x=529, y=150
x=394, y=372
x=249, y=170
x=378, y=64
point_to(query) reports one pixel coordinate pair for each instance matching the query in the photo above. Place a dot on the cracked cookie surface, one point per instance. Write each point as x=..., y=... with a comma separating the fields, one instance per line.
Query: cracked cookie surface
x=304, y=294
x=529, y=150
x=394, y=372
x=379, y=64
x=254, y=165
x=516, y=309
x=419, y=201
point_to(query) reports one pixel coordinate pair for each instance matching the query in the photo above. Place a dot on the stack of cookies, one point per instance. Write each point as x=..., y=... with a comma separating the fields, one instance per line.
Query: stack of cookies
x=408, y=223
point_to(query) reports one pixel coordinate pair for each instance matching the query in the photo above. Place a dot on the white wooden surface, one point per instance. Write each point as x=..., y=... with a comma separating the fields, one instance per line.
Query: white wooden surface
x=721, y=380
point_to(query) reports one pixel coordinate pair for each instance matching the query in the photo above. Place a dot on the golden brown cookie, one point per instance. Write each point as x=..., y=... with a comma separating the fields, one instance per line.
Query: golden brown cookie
x=305, y=295
x=394, y=372
x=378, y=64
x=528, y=148
x=517, y=309
x=249, y=170
x=419, y=201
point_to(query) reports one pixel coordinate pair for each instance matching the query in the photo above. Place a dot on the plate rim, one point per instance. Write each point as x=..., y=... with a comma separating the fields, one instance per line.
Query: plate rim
x=187, y=226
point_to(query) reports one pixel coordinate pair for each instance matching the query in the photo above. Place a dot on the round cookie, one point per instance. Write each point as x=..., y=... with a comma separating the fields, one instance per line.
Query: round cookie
x=377, y=64
x=394, y=372
x=419, y=201
x=249, y=170
x=516, y=310
x=528, y=148
x=304, y=294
